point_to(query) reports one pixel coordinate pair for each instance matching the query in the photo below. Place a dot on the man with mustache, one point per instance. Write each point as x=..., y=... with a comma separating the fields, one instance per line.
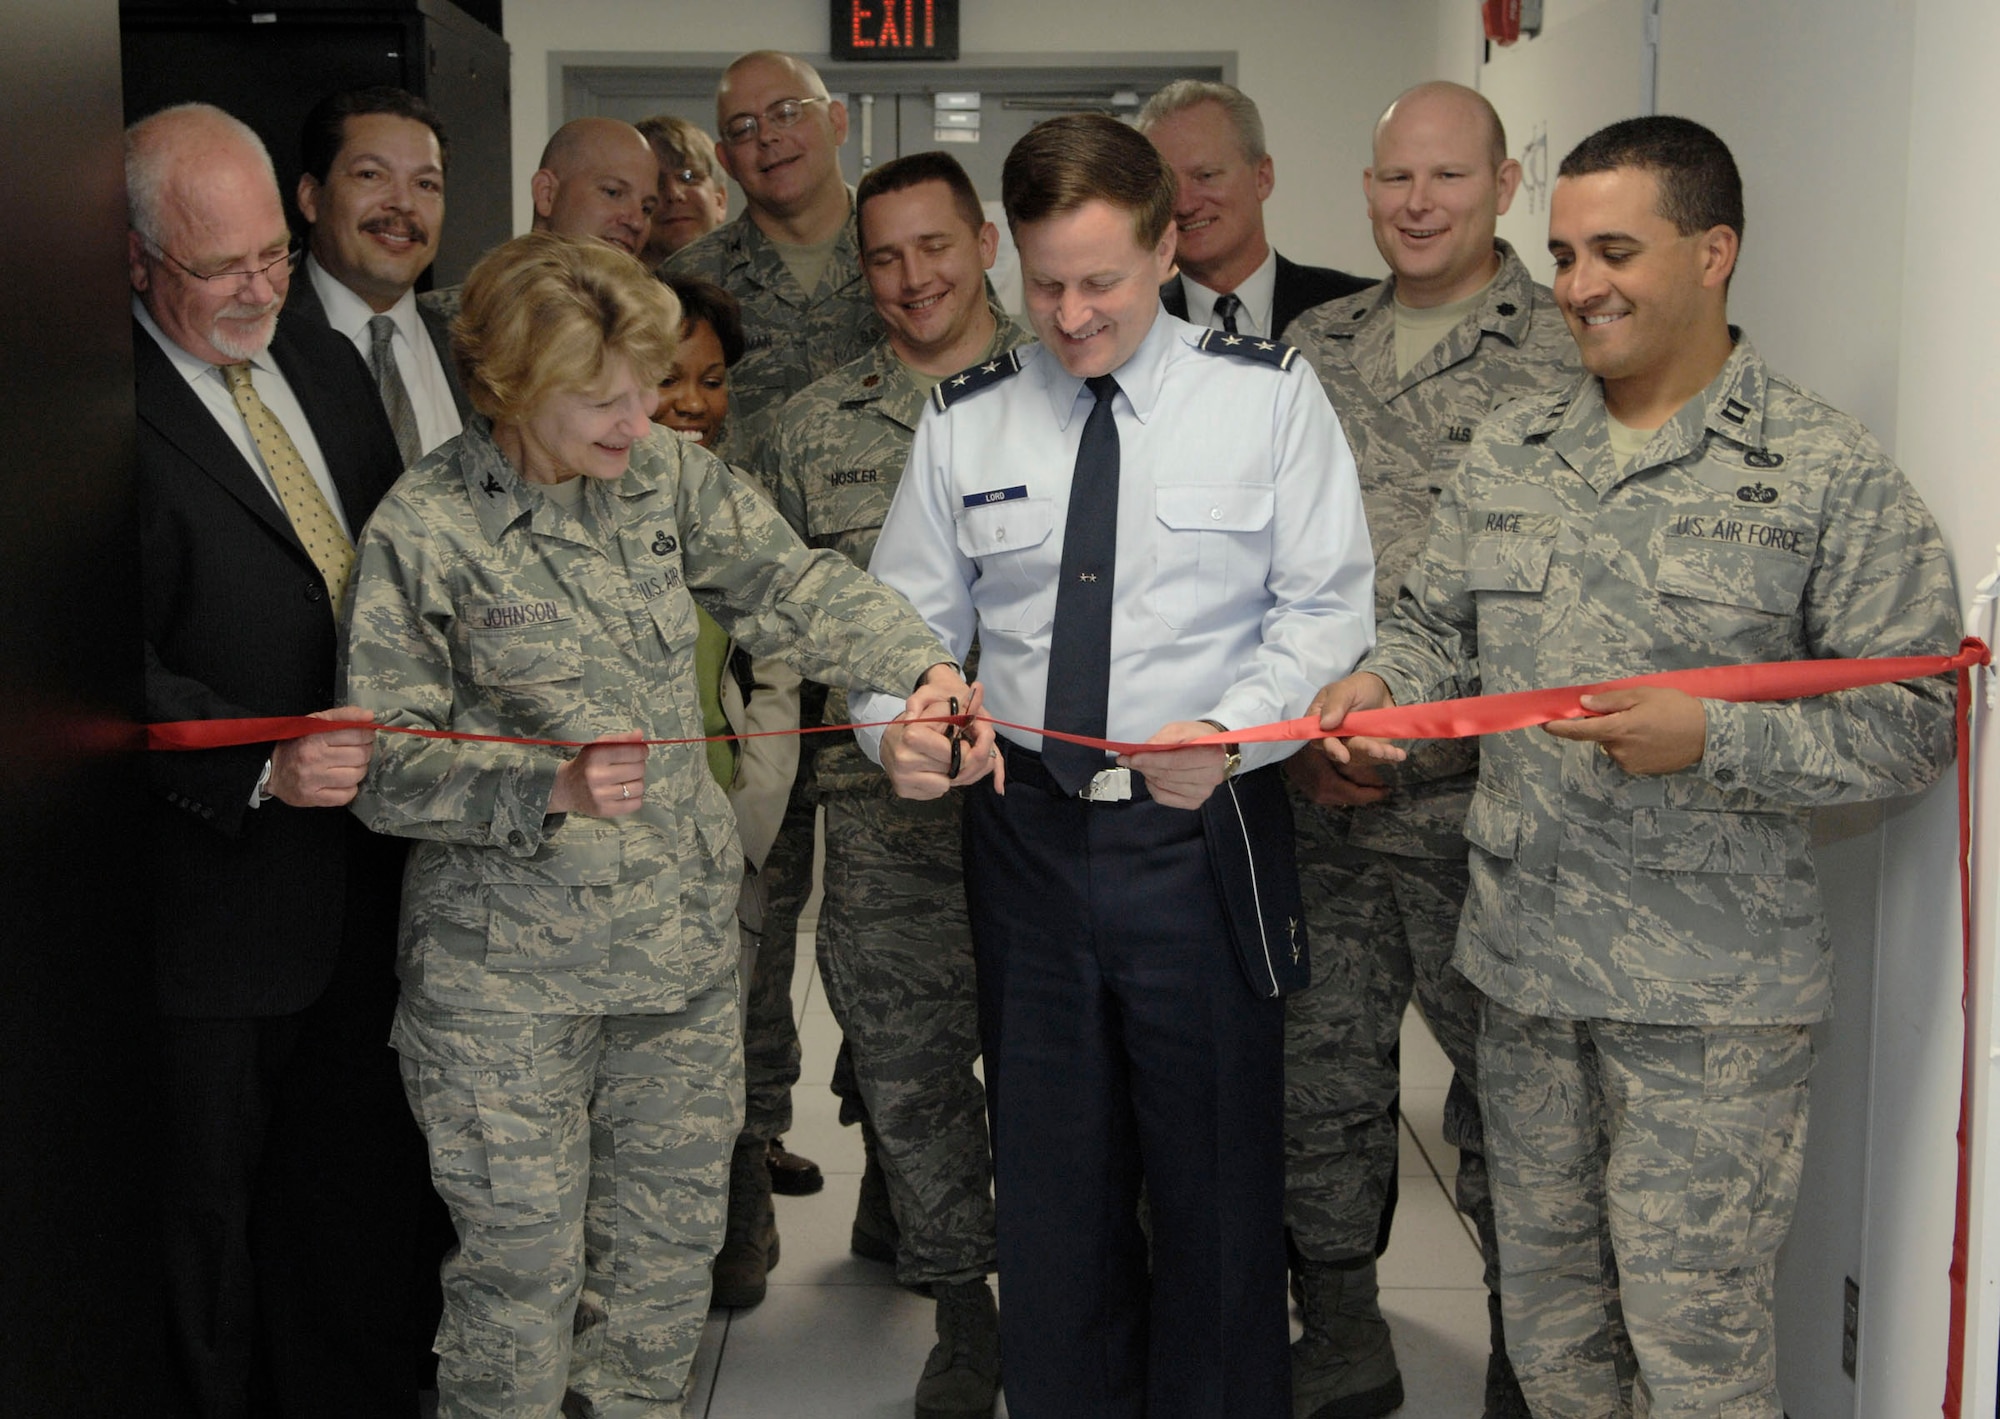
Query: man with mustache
x=1230, y=279
x=291, y=1174
x=373, y=189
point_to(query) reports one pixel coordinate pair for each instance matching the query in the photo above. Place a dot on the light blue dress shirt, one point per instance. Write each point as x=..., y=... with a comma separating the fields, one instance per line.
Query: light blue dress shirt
x=1244, y=575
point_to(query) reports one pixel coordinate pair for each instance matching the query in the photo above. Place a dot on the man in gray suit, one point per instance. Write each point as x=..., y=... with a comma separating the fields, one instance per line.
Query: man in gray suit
x=373, y=190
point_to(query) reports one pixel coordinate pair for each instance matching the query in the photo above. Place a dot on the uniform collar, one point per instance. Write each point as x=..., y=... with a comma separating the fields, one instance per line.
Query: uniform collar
x=750, y=249
x=881, y=379
x=1368, y=333
x=1732, y=406
x=1140, y=377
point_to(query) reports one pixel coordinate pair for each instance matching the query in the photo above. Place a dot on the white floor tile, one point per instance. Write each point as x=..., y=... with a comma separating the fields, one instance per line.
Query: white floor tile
x=1441, y=1345
x=1429, y=1248
x=1425, y=1066
x=1423, y=1121
x=813, y=1233
x=834, y=1352
x=817, y=1133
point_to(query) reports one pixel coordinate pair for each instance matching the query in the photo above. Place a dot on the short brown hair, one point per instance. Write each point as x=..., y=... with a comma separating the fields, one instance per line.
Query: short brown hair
x=1062, y=163
x=544, y=313
x=912, y=169
x=682, y=143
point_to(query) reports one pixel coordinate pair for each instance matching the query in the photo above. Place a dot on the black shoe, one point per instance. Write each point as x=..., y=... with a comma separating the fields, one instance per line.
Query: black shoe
x=792, y=1175
x=750, y=1245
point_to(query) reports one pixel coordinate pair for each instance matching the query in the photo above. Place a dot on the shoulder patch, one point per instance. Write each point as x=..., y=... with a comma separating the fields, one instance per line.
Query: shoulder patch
x=955, y=387
x=1248, y=347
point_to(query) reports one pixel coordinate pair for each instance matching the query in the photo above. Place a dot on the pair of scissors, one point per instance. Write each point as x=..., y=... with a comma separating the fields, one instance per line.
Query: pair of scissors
x=957, y=745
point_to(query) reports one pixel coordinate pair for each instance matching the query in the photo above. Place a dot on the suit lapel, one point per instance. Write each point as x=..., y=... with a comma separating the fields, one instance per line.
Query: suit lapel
x=173, y=411
x=440, y=330
x=337, y=427
x=1285, y=297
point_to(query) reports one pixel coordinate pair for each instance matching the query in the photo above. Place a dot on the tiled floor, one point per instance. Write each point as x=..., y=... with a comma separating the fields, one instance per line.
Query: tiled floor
x=837, y=1339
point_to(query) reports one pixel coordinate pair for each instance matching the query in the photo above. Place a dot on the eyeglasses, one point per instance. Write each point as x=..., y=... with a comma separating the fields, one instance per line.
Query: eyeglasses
x=688, y=177
x=269, y=270
x=785, y=113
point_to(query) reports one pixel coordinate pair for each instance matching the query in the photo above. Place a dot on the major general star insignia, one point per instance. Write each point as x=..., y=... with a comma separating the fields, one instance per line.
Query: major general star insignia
x=1263, y=352
x=969, y=382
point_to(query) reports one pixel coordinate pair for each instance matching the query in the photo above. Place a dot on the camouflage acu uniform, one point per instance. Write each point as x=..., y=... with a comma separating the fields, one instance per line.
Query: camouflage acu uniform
x=1383, y=886
x=1654, y=947
x=567, y=1021
x=445, y=300
x=791, y=337
x=894, y=946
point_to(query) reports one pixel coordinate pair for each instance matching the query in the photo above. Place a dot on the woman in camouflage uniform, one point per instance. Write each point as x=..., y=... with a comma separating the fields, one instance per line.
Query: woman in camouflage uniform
x=567, y=1023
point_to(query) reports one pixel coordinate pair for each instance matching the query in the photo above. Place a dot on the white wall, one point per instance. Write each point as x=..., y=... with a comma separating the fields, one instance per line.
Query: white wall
x=1948, y=421
x=1320, y=70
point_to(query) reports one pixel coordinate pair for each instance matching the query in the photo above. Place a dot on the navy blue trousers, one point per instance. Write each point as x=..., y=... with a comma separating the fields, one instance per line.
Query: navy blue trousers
x=1123, y=1047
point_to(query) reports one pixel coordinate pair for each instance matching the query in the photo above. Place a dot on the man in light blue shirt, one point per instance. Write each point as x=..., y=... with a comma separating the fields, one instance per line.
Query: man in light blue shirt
x=1156, y=533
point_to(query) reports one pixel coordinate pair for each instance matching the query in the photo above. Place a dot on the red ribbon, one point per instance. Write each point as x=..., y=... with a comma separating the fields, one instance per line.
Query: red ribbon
x=1444, y=719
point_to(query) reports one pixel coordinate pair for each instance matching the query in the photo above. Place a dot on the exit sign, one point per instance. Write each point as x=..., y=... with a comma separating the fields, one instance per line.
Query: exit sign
x=895, y=29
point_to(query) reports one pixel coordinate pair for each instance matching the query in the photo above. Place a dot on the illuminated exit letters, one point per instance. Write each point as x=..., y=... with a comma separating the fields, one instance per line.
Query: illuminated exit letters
x=895, y=29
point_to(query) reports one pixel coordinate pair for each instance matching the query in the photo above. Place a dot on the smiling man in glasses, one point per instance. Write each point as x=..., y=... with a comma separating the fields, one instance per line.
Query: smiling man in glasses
x=792, y=259
x=262, y=448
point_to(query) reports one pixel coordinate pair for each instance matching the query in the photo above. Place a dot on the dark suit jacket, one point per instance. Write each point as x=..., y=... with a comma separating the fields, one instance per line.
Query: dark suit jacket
x=302, y=304
x=1297, y=290
x=248, y=904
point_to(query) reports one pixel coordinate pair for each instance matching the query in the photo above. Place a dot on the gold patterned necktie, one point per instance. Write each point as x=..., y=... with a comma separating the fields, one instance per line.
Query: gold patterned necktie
x=312, y=519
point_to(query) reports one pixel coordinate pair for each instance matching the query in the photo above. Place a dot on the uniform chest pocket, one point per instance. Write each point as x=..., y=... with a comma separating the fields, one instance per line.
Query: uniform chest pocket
x=524, y=655
x=1215, y=548
x=1016, y=590
x=1741, y=594
x=1509, y=551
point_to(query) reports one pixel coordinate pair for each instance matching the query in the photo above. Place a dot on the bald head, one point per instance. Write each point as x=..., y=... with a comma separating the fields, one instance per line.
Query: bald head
x=203, y=202
x=754, y=69
x=780, y=139
x=598, y=178
x=1440, y=180
x=1449, y=103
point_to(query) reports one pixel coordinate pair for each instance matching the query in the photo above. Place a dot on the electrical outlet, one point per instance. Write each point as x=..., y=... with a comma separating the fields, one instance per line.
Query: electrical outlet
x=1850, y=1326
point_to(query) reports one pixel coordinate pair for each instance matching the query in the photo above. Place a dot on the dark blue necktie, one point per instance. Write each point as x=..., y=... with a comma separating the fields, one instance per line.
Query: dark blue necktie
x=1226, y=308
x=1080, y=641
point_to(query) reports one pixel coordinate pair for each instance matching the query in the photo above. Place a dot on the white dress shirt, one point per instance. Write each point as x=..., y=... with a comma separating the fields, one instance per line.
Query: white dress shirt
x=205, y=380
x=1257, y=291
x=415, y=352
x=1244, y=579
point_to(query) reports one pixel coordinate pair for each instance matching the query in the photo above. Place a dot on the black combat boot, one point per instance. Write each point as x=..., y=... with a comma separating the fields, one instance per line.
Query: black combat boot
x=750, y=1246
x=1344, y=1366
x=961, y=1378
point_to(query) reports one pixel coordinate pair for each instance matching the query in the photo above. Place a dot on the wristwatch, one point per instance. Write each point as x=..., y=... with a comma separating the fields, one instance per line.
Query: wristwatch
x=1234, y=761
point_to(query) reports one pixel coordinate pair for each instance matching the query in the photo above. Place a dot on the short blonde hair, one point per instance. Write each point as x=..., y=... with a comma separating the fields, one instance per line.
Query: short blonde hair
x=544, y=313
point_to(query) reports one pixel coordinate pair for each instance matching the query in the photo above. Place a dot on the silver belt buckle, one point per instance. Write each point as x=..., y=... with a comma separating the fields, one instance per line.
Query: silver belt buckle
x=1108, y=786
